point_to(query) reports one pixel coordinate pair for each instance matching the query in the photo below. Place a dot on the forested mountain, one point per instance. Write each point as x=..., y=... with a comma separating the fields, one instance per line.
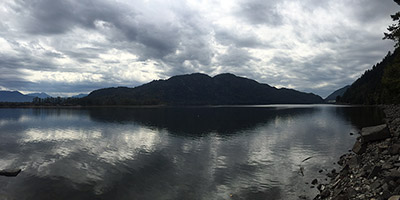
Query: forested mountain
x=199, y=89
x=379, y=85
x=336, y=95
x=14, y=96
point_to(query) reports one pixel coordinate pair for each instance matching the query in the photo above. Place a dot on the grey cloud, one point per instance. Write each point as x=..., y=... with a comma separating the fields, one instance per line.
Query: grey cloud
x=58, y=16
x=336, y=69
x=184, y=43
x=368, y=11
x=227, y=38
x=260, y=12
x=235, y=57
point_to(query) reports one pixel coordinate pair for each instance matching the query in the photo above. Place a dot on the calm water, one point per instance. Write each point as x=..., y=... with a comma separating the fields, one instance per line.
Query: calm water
x=174, y=153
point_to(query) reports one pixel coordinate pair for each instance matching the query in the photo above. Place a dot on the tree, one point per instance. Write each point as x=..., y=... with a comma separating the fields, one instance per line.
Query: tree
x=394, y=29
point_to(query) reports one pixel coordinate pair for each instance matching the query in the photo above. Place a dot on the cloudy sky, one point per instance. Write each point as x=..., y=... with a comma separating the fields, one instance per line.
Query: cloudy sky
x=65, y=47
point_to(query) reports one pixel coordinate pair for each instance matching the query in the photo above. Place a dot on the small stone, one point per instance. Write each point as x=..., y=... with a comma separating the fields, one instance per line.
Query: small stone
x=396, y=190
x=395, y=197
x=394, y=173
x=353, y=162
x=359, y=148
x=10, y=172
x=337, y=191
x=321, y=187
x=320, y=171
x=325, y=193
x=375, y=171
x=387, y=166
x=394, y=149
x=351, y=192
x=302, y=197
x=375, y=185
x=314, y=182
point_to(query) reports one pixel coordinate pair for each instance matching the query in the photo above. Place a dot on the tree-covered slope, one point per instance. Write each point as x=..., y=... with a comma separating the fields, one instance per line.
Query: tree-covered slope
x=379, y=85
x=199, y=89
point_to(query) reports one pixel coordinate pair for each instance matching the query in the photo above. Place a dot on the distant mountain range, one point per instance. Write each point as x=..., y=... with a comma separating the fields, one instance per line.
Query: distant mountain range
x=41, y=95
x=336, y=95
x=200, y=89
x=14, y=96
x=79, y=95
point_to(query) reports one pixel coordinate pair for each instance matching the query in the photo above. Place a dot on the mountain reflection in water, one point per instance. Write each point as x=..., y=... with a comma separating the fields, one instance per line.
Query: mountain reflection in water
x=173, y=152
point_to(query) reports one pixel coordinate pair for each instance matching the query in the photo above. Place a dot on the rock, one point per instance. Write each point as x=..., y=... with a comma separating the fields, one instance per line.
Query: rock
x=359, y=148
x=351, y=192
x=397, y=190
x=314, y=182
x=387, y=166
x=394, y=173
x=302, y=197
x=375, y=133
x=353, y=162
x=321, y=187
x=375, y=171
x=10, y=172
x=351, y=133
x=394, y=149
x=395, y=197
x=325, y=193
x=375, y=185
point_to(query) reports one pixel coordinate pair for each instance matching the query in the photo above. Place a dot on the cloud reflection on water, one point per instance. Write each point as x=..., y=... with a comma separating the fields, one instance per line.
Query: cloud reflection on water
x=149, y=154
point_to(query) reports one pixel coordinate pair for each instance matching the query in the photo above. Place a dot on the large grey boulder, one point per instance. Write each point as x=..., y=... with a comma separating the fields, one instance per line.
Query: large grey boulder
x=375, y=133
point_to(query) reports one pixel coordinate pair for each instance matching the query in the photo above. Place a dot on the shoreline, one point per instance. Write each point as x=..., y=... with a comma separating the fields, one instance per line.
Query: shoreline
x=372, y=170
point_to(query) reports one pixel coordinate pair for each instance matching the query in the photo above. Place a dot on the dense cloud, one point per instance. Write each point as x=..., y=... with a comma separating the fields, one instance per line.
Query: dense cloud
x=65, y=47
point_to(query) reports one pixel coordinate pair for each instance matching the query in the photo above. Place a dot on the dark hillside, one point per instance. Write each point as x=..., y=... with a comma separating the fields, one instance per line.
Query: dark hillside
x=199, y=89
x=379, y=85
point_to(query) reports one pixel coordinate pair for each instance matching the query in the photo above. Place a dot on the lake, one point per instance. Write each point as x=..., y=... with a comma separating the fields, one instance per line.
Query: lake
x=220, y=152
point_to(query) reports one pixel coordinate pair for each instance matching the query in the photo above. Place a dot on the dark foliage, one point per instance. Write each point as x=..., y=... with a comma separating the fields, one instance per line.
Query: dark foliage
x=379, y=85
x=394, y=29
x=199, y=89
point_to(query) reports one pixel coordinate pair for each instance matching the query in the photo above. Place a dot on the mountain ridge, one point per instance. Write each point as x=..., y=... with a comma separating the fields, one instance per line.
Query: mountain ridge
x=337, y=94
x=200, y=89
x=14, y=96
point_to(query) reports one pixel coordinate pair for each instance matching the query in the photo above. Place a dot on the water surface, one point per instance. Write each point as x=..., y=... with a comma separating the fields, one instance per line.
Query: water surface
x=235, y=152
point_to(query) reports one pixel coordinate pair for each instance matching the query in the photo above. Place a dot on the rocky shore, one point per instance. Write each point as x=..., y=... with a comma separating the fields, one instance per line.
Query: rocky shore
x=372, y=170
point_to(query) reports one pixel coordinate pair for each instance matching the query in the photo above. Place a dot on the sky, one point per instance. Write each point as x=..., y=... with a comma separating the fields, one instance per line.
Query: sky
x=66, y=47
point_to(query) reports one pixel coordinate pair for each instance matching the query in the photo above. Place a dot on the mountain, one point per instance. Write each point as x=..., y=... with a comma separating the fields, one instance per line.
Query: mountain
x=41, y=95
x=200, y=89
x=79, y=95
x=14, y=96
x=338, y=93
x=379, y=85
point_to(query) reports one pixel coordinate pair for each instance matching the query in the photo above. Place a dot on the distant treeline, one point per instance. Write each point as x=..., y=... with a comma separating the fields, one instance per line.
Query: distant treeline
x=50, y=101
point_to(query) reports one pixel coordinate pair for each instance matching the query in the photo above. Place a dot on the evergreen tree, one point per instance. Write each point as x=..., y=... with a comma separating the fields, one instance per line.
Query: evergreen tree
x=394, y=29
